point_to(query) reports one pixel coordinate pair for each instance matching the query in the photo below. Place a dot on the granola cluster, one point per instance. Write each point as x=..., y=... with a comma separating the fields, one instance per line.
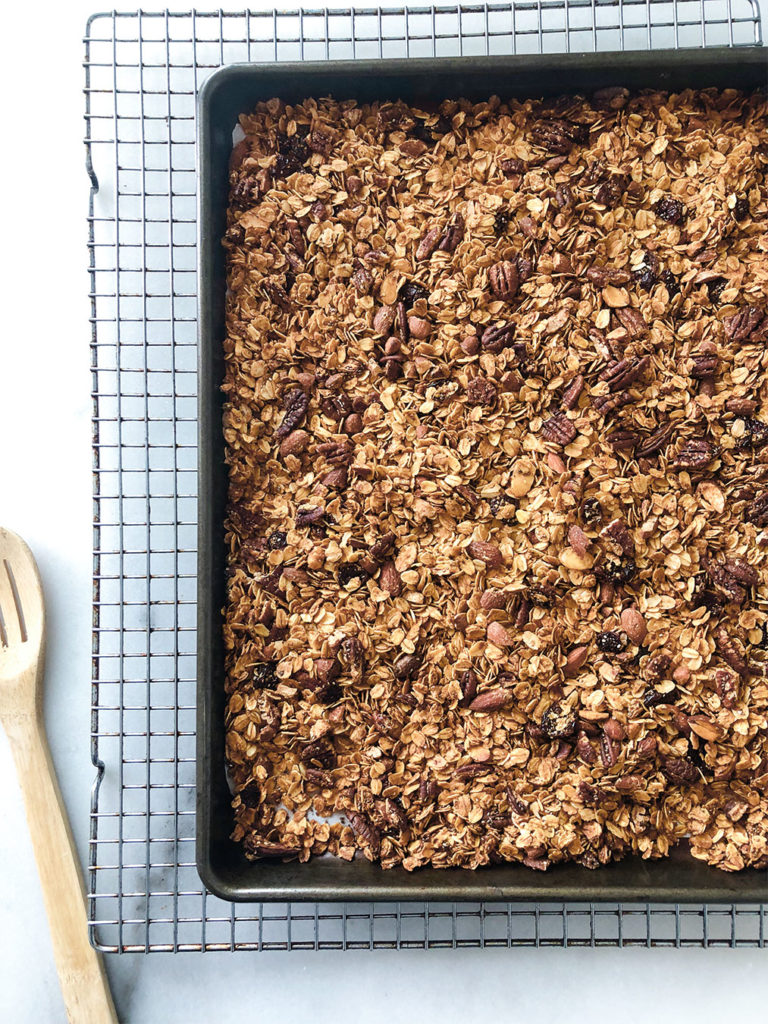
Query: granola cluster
x=497, y=434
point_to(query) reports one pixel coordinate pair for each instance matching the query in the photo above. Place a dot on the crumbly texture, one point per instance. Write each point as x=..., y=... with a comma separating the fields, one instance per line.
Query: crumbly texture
x=496, y=427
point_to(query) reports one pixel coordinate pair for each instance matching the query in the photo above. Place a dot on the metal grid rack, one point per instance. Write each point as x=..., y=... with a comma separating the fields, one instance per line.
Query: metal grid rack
x=142, y=72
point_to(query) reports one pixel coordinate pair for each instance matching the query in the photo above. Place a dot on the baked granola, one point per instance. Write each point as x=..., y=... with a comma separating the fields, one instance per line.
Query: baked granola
x=496, y=427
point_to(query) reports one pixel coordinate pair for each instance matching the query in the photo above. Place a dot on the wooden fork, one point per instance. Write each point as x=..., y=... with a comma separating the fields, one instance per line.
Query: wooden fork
x=22, y=648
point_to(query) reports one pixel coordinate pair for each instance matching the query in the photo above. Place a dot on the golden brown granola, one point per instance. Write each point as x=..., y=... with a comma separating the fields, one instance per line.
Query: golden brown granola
x=497, y=433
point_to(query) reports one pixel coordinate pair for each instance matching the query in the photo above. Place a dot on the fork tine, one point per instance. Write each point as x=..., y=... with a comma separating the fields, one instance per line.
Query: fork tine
x=3, y=633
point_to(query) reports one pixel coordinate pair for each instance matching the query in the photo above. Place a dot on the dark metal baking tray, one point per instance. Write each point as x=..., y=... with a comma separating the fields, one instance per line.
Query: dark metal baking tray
x=226, y=94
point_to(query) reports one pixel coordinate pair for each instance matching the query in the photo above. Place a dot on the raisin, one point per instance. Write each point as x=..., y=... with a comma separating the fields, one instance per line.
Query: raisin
x=351, y=571
x=264, y=675
x=591, y=511
x=501, y=222
x=558, y=723
x=621, y=571
x=670, y=210
x=715, y=289
x=292, y=153
x=670, y=281
x=653, y=697
x=276, y=540
x=754, y=437
x=411, y=292
x=610, y=642
x=497, y=504
x=249, y=794
x=741, y=209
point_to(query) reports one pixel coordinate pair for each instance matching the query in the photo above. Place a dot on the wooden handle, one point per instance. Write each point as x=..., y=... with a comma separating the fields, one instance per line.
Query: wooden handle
x=81, y=972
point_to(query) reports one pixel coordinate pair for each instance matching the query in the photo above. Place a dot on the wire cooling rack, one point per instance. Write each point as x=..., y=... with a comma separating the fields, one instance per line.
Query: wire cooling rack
x=142, y=72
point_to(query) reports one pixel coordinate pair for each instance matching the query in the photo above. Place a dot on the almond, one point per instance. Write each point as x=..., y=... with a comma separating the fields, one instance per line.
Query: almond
x=498, y=635
x=384, y=319
x=571, y=559
x=485, y=552
x=493, y=599
x=296, y=442
x=682, y=675
x=389, y=579
x=705, y=727
x=491, y=700
x=555, y=463
x=633, y=624
x=574, y=661
x=419, y=328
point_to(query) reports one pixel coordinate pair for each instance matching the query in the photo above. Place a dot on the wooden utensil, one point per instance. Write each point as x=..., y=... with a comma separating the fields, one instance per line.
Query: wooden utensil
x=22, y=649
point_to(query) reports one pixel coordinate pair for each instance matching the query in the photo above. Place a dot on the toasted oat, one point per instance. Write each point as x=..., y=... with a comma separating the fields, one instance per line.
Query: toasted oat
x=496, y=420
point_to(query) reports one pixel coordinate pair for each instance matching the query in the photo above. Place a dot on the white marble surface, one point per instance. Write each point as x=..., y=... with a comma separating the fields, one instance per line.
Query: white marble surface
x=45, y=495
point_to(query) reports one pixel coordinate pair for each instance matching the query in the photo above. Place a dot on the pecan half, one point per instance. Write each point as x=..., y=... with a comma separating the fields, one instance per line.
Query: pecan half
x=605, y=404
x=295, y=405
x=572, y=393
x=365, y=830
x=558, y=429
x=632, y=321
x=696, y=454
x=452, y=235
x=730, y=651
x=622, y=374
x=497, y=337
x=558, y=136
x=748, y=326
x=503, y=280
x=655, y=442
x=757, y=510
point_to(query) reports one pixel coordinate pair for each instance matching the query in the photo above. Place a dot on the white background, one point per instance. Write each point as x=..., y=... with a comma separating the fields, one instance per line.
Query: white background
x=45, y=495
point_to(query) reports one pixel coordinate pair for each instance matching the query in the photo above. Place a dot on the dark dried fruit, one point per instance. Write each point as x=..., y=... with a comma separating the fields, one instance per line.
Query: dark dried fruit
x=671, y=283
x=647, y=274
x=452, y=235
x=264, y=675
x=696, y=454
x=503, y=280
x=250, y=794
x=319, y=141
x=748, y=326
x=618, y=532
x=501, y=222
x=622, y=374
x=319, y=752
x=591, y=511
x=292, y=154
x=755, y=435
x=652, y=697
x=412, y=292
x=617, y=572
x=558, y=429
x=498, y=337
x=610, y=192
x=670, y=210
x=559, y=723
x=365, y=830
x=276, y=541
x=741, y=208
x=351, y=571
x=295, y=405
x=558, y=136
x=352, y=651
x=481, y=391
x=406, y=666
x=610, y=642
x=499, y=502
x=715, y=289
x=680, y=770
